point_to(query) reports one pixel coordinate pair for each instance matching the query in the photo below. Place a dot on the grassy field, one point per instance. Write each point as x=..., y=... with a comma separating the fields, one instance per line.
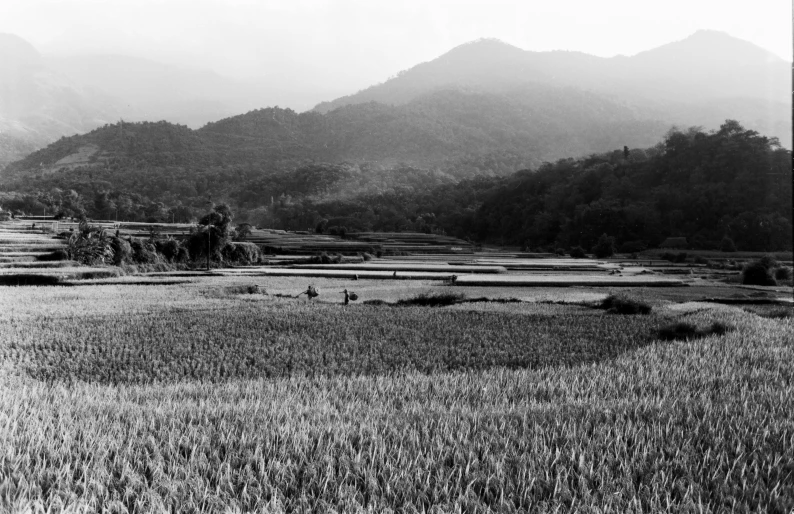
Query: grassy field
x=200, y=397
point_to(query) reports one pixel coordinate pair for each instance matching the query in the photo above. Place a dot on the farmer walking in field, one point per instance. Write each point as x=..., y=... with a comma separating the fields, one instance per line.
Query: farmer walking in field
x=347, y=297
x=311, y=292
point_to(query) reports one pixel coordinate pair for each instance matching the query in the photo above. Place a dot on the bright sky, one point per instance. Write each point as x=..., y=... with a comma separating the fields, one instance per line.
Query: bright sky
x=351, y=44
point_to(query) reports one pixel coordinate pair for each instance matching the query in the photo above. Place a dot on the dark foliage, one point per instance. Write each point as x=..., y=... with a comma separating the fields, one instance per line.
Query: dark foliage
x=55, y=255
x=783, y=273
x=122, y=251
x=686, y=331
x=29, y=279
x=619, y=304
x=757, y=273
x=577, y=252
x=432, y=300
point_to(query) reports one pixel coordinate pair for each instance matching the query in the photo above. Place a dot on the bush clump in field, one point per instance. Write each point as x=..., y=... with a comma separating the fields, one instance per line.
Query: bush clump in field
x=245, y=289
x=577, y=252
x=244, y=253
x=619, y=304
x=685, y=331
x=90, y=245
x=168, y=248
x=760, y=272
x=56, y=255
x=375, y=302
x=324, y=258
x=144, y=252
x=432, y=300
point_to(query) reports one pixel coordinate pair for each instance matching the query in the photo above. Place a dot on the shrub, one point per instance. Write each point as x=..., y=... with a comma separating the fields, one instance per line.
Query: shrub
x=432, y=300
x=367, y=256
x=783, y=273
x=768, y=261
x=320, y=258
x=144, y=252
x=560, y=251
x=374, y=302
x=605, y=247
x=619, y=304
x=727, y=245
x=56, y=255
x=168, y=248
x=577, y=252
x=90, y=245
x=122, y=251
x=758, y=274
x=686, y=331
x=242, y=253
x=182, y=255
x=245, y=289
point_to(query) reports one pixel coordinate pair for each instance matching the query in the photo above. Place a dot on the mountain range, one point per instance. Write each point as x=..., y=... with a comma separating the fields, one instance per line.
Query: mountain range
x=479, y=100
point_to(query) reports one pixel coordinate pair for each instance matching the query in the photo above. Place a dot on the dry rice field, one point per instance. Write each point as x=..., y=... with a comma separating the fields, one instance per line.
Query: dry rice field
x=209, y=395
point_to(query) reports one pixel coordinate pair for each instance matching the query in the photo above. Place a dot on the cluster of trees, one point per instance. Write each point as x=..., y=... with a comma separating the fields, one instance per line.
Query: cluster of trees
x=703, y=186
x=213, y=240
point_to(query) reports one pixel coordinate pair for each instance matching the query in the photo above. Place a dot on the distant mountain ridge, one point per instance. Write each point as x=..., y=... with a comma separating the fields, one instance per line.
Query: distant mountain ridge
x=481, y=98
x=438, y=130
x=683, y=82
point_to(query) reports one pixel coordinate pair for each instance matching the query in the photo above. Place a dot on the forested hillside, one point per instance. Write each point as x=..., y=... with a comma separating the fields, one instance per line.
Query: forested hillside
x=706, y=186
x=438, y=138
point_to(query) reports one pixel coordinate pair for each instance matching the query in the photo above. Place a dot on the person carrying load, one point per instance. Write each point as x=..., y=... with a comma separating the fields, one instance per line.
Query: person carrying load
x=311, y=292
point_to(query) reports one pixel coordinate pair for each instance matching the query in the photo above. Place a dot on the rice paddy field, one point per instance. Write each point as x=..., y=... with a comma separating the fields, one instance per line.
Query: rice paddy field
x=211, y=395
x=629, y=391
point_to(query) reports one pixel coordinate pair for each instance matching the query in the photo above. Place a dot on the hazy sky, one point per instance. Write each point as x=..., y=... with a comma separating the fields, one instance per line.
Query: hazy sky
x=347, y=45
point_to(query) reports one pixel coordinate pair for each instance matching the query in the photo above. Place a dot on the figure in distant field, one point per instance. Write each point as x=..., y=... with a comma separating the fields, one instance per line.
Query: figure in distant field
x=454, y=278
x=395, y=274
x=311, y=292
x=347, y=297
x=355, y=277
